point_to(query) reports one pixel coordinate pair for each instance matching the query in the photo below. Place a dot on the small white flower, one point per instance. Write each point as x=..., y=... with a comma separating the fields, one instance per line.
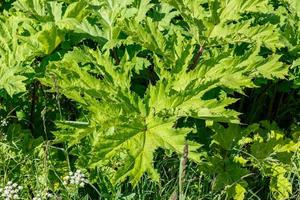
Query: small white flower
x=49, y=195
x=20, y=187
x=81, y=184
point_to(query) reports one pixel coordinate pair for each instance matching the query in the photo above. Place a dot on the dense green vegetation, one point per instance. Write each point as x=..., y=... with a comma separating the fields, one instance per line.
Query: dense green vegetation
x=150, y=99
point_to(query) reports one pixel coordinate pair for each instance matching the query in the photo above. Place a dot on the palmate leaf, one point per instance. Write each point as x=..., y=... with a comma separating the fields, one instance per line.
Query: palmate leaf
x=33, y=29
x=272, y=154
x=123, y=122
x=159, y=102
x=230, y=70
x=14, y=57
x=108, y=16
x=259, y=146
x=280, y=185
x=227, y=138
x=224, y=20
x=11, y=82
x=226, y=172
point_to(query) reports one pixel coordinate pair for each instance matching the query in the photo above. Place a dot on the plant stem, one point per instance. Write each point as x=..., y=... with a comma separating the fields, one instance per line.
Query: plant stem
x=182, y=170
x=197, y=58
x=33, y=105
x=270, y=110
x=115, y=56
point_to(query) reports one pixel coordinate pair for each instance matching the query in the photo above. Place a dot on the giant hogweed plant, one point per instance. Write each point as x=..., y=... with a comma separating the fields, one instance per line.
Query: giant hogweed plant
x=137, y=68
x=187, y=53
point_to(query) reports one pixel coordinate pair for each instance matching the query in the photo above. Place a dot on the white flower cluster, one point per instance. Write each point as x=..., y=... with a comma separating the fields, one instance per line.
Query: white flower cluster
x=3, y=123
x=3, y=136
x=75, y=178
x=40, y=197
x=10, y=191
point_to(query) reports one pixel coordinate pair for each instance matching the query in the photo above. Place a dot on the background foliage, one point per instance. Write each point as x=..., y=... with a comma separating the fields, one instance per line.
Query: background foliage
x=150, y=99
